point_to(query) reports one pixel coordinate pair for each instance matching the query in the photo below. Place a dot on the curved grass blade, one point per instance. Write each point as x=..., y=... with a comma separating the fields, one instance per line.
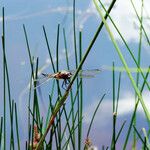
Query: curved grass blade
x=88, y=132
x=124, y=41
x=64, y=97
x=147, y=114
x=139, y=135
x=132, y=118
x=17, y=128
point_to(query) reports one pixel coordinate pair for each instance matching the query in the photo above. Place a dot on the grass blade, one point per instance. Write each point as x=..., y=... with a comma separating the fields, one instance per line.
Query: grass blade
x=4, y=78
x=64, y=97
x=147, y=38
x=89, y=129
x=123, y=61
x=17, y=127
x=132, y=118
x=1, y=131
x=130, y=51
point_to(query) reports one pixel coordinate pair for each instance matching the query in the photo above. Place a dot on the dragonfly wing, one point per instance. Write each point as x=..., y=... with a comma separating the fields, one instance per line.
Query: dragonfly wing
x=41, y=81
x=85, y=76
x=92, y=71
x=87, y=73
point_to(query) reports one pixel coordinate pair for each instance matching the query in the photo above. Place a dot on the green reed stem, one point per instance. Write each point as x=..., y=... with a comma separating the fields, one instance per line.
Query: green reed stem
x=1, y=131
x=133, y=115
x=89, y=129
x=113, y=145
x=49, y=50
x=117, y=137
x=81, y=96
x=64, y=97
x=124, y=41
x=137, y=76
x=11, y=126
x=123, y=61
x=4, y=67
x=147, y=38
x=139, y=135
x=17, y=127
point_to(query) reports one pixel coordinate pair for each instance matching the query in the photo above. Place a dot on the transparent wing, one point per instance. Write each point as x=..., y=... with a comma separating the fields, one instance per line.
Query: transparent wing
x=42, y=80
x=87, y=73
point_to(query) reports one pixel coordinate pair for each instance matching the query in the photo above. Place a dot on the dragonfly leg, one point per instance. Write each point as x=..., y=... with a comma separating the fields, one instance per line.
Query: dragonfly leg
x=65, y=83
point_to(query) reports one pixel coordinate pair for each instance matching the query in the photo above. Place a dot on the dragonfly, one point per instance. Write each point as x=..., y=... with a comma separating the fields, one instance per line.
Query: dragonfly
x=66, y=76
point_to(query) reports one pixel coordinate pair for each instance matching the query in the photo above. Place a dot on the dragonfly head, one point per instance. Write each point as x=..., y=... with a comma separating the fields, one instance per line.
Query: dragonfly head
x=69, y=74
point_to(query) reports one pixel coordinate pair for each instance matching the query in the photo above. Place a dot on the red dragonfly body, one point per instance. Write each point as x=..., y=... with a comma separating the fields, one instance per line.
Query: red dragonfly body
x=65, y=75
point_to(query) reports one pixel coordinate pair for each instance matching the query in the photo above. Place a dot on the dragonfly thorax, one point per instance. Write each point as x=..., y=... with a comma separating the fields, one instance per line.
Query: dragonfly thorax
x=63, y=75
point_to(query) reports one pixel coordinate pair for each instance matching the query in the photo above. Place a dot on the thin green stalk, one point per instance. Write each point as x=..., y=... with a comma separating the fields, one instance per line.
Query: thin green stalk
x=29, y=52
x=68, y=67
x=58, y=87
x=35, y=95
x=113, y=145
x=137, y=76
x=29, y=138
x=74, y=34
x=11, y=126
x=76, y=59
x=147, y=38
x=124, y=41
x=50, y=143
x=49, y=51
x=70, y=135
x=17, y=128
x=57, y=59
x=116, y=111
x=118, y=92
x=57, y=49
x=145, y=144
x=48, y=114
x=69, y=129
x=135, y=109
x=146, y=136
x=91, y=43
x=29, y=103
x=67, y=121
x=89, y=129
x=117, y=137
x=123, y=61
x=140, y=44
x=139, y=135
x=81, y=95
x=5, y=68
x=70, y=112
x=49, y=110
x=4, y=79
x=36, y=112
x=56, y=136
x=54, y=126
x=1, y=131
x=115, y=108
x=64, y=97
x=66, y=49
x=114, y=93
